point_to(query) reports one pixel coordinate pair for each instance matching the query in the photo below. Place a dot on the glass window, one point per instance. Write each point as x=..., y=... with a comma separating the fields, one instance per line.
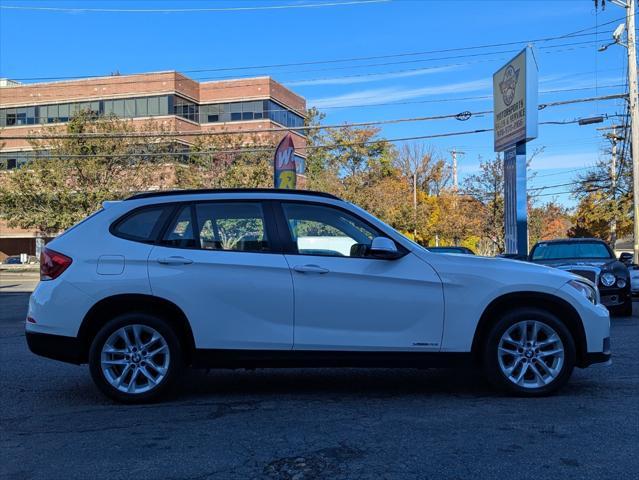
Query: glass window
x=568, y=250
x=11, y=116
x=225, y=112
x=21, y=116
x=236, y=111
x=63, y=112
x=52, y=113
x=153, y=104
x=166, y=104
x=3, y=117
x=232, y=226
x=31, y=115
x=180, y=234
x=319, y=230
x=141, y=109
x=108, y=107
x=75, y=108
x=129, y=107
x=118, y=108
x=141, y=225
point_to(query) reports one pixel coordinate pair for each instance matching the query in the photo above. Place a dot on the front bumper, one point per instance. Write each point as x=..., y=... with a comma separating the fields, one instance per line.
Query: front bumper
x=57, y=347
x=604, y=356
x=614, y=297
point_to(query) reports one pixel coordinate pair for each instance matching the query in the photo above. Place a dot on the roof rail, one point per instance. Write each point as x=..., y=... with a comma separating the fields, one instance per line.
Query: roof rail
x=163, y=193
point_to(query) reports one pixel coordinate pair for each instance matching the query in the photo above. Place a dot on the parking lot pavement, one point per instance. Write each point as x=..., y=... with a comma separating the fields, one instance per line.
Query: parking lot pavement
x=303, y=424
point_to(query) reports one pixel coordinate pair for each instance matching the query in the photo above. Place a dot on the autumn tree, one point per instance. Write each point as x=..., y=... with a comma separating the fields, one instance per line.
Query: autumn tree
x=548, y=221
x=487, y=187
x=605, y=206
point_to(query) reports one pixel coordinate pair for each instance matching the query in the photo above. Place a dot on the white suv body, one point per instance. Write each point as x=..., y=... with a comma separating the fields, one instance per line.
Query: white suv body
x=251, y=278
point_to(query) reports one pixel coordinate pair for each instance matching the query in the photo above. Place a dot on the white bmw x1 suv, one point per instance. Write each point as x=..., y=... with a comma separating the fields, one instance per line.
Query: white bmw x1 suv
x=267, y=278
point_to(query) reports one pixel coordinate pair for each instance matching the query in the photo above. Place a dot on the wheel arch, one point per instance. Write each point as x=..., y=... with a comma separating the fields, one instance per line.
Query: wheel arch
x=109, y=307
x=552, y=303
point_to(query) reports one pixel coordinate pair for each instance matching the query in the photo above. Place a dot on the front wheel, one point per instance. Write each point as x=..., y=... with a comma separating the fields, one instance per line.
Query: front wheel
x=135, y=358
x=529, y=352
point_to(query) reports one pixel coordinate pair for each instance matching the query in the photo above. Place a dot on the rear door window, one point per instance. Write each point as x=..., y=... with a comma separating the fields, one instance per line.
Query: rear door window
x=181, y=231
x=234, y=226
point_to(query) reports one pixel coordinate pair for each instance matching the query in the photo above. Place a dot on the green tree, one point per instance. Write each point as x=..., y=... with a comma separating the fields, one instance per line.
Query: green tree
x=69, y=178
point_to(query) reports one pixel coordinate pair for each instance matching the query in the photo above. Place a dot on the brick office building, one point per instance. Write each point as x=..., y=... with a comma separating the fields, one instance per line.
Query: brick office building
x=178, y=102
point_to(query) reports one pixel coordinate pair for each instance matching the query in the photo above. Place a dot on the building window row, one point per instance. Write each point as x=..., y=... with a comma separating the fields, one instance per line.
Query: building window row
x=154, y=106
x=11, y=160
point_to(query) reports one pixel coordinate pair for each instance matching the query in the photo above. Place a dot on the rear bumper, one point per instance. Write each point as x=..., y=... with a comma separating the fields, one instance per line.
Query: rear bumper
x=57, y=347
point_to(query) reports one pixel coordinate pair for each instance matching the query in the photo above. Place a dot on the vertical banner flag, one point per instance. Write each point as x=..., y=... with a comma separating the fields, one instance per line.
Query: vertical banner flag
x=284, y=164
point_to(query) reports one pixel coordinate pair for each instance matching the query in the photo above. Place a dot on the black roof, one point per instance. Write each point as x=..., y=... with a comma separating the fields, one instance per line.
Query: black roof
x=164, y=193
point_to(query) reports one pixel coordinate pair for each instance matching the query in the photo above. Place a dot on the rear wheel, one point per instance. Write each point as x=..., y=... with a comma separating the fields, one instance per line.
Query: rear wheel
x=529, y=352
x=135, y=358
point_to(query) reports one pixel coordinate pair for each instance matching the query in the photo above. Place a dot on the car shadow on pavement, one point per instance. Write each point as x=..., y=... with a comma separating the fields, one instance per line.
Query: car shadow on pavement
x=344, y=383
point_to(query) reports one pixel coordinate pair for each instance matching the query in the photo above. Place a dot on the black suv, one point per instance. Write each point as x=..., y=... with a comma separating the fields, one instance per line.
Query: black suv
x=593, y=259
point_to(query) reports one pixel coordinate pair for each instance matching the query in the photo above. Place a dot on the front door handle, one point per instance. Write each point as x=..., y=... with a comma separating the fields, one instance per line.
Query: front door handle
x=174, y=261
x=310, y=269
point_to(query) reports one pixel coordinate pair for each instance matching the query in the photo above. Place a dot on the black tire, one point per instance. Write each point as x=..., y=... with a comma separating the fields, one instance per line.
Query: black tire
x=493, y=370
x=175, y=358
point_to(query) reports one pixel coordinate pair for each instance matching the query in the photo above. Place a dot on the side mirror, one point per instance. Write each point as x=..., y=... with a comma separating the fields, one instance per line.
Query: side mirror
x=626, y=258
x=383, y=247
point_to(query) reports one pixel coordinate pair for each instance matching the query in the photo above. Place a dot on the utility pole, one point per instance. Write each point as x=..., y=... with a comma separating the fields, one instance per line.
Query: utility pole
x=454, y=153
x=633, y=98
x=633, y=106
x=614, y=140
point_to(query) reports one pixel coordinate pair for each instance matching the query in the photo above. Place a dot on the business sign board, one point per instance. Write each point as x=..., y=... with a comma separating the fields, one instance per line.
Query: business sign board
x=515, y=101
x=515, y=123
x=284, y=164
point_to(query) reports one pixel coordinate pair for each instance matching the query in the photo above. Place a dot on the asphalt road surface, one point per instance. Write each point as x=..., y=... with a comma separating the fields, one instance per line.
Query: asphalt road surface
x=307, y=424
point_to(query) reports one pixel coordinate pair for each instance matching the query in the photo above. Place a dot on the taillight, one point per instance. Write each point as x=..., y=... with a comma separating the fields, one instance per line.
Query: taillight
x=52, y=264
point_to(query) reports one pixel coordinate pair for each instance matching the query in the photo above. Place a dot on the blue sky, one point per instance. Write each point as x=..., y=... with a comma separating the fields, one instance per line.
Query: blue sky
x=47, y=43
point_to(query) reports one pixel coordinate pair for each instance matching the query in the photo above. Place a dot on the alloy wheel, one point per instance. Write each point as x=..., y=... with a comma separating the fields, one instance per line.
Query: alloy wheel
x=530, y=354
x=135, y=359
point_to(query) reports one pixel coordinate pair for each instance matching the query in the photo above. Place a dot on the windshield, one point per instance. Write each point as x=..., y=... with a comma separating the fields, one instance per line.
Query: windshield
x=558, y=251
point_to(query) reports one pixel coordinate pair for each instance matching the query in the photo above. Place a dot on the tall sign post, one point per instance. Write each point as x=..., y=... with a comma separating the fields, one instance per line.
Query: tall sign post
x=284, y=175
x=515, y=123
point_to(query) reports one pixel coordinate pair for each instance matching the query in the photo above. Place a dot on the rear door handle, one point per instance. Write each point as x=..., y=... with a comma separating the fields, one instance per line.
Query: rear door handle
x=174, y=261
x=310, y=269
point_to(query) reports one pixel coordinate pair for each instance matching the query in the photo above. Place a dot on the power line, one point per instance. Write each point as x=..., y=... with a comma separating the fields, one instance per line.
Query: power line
x=269, y=148
x=453, y=99
x=459, y=116
x=350, y=59
x=189, y=10
x=117, y=80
